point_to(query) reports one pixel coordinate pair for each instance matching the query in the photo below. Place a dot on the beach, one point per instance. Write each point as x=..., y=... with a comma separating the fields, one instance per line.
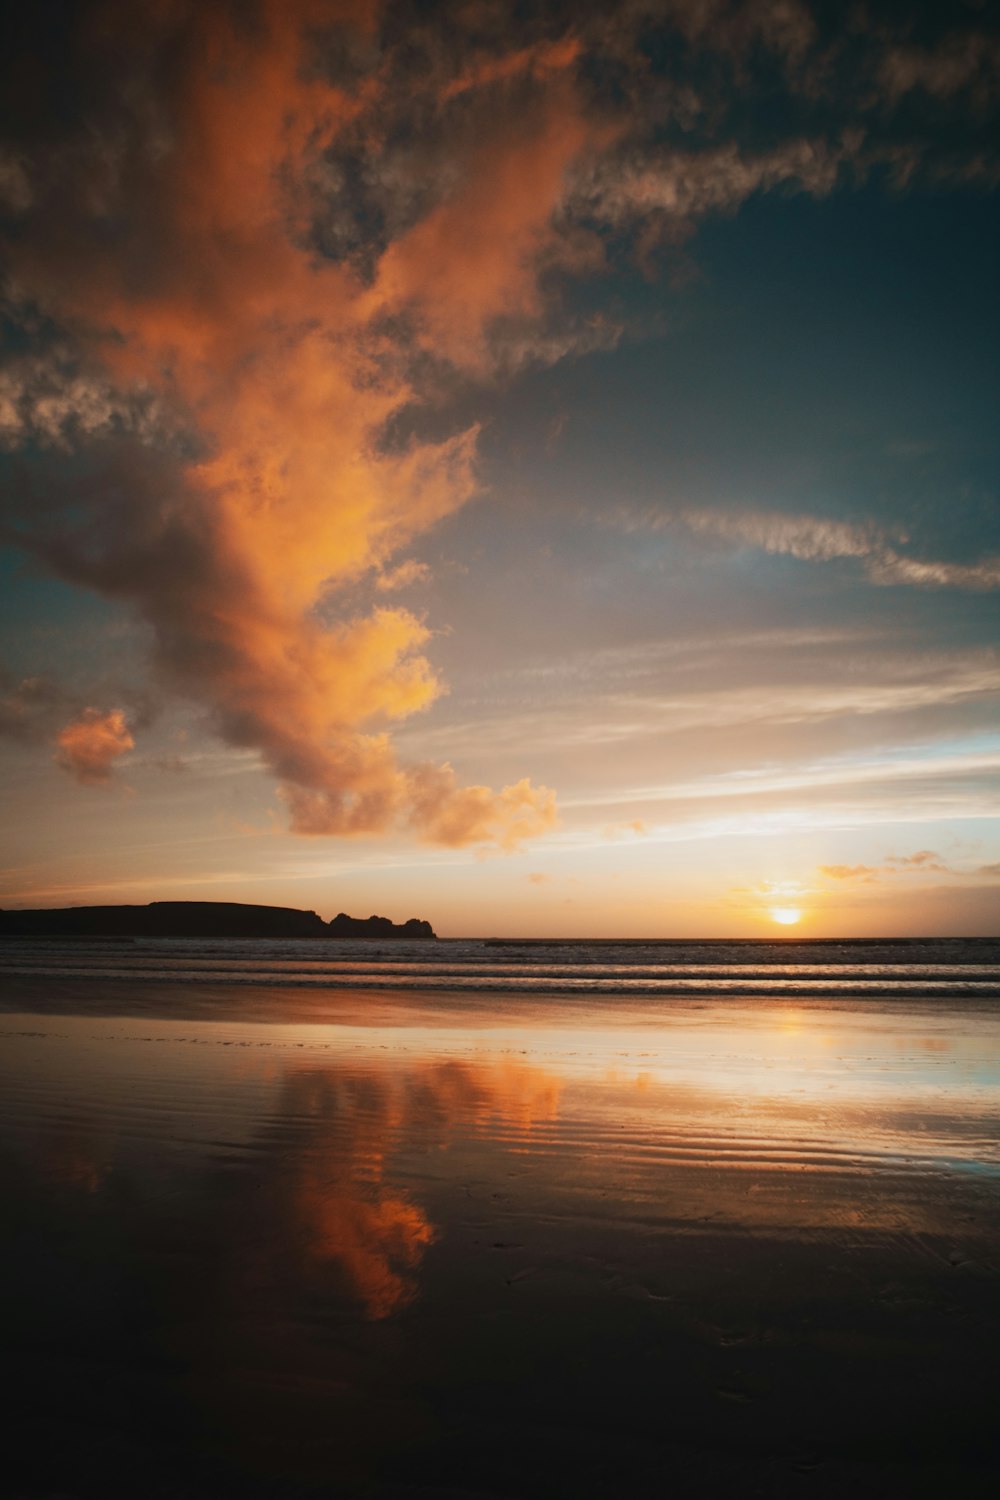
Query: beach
x=284, y=1235
x=500, y=750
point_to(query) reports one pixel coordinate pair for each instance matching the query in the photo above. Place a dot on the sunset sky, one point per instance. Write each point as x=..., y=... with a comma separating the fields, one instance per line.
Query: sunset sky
x=532, y=467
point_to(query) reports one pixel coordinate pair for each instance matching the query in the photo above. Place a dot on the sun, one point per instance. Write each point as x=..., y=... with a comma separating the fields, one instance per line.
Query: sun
x=786, y=915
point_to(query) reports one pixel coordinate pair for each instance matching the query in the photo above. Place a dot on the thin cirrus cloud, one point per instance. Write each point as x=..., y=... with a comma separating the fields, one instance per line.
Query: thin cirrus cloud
x=925, y=861
x=962, y=62
x=818, y=539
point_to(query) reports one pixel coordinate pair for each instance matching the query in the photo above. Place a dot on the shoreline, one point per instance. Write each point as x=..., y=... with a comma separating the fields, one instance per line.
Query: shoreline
x=378, y=1243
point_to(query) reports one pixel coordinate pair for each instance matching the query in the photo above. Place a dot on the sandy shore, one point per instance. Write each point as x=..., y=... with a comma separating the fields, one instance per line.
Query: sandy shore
x=419, y=1247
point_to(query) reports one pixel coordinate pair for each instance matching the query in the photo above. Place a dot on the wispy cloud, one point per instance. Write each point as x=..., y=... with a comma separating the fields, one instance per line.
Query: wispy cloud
x=924, y=859
x=814, y=539
x=924, y=862
x=28, y=707
x=598, y=711
x=960, y=63
x=818, y=539
x=53, y=399
x=634, y=826
x=402, y=575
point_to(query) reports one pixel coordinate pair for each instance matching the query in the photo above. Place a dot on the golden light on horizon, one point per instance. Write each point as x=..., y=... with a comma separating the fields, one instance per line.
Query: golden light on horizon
x=786, y=915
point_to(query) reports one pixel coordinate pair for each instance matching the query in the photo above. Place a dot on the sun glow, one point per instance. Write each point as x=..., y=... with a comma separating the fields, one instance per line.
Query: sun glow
x=786, y=915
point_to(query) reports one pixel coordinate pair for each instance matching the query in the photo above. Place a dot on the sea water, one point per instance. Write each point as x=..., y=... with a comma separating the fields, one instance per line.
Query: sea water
x=902, y=966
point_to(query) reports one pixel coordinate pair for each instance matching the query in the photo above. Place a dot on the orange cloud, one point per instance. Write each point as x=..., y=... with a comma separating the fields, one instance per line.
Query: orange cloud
x=475, y=257
x=539, y=61
x=428, y=798
x=923, y=862
x=850, y=872
x=282, y=371
x=90, y=744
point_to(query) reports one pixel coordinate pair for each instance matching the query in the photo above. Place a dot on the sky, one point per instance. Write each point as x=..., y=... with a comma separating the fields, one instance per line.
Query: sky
x=527, y=466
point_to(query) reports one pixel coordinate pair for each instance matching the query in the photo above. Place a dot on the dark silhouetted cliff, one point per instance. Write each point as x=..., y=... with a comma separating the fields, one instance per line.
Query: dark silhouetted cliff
x=199, y=919
x=378, y=927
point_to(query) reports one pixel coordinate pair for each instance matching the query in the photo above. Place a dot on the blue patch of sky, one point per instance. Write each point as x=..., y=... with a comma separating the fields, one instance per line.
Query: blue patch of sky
x=42, y=618
x=837, y=357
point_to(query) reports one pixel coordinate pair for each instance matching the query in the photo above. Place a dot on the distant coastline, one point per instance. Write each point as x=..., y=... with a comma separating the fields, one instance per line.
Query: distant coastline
x=201, y=919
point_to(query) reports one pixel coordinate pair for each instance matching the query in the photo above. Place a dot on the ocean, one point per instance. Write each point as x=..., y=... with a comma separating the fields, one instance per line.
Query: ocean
x=940, y=967
x=501, y=1219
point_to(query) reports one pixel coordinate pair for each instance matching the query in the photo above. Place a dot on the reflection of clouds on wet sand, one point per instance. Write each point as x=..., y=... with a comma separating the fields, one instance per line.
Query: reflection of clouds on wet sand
x=322, y=1227
x=342, y=1138
x=330, y=1176
x=331, y=1151
x=337, y=1249
x=336, y=1202
x=350, y=1215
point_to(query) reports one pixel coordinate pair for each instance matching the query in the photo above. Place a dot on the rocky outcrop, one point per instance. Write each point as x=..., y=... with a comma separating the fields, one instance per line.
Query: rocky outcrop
x=198, y=919
x=344, y=926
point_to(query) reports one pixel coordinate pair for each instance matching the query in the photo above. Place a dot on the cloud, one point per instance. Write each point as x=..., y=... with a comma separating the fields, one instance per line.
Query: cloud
x=90, y=744
x=39, y=710
x=234, y=547
x=27, y=707
x=539, y=61
x=15, y=187
x=890, y=568
x=426, y=798
x=51, y=399
x=806, y=537
x=451, y=814
x=688, y=185
x=281, y=235
x=814, y=539
x=866, y=873
x=474, y=258
x=925, y=861
x=634, y=826
x=402, y=575
x=960, y=63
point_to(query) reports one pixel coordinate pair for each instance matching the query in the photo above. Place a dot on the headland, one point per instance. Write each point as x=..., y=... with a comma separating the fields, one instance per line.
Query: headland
x=201, y=919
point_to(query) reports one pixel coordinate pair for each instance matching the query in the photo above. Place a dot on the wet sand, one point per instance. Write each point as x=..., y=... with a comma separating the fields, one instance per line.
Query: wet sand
x=296, y=1245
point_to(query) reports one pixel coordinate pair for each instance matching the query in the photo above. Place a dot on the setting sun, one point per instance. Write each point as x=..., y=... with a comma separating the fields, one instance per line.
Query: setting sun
x=786, y=915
